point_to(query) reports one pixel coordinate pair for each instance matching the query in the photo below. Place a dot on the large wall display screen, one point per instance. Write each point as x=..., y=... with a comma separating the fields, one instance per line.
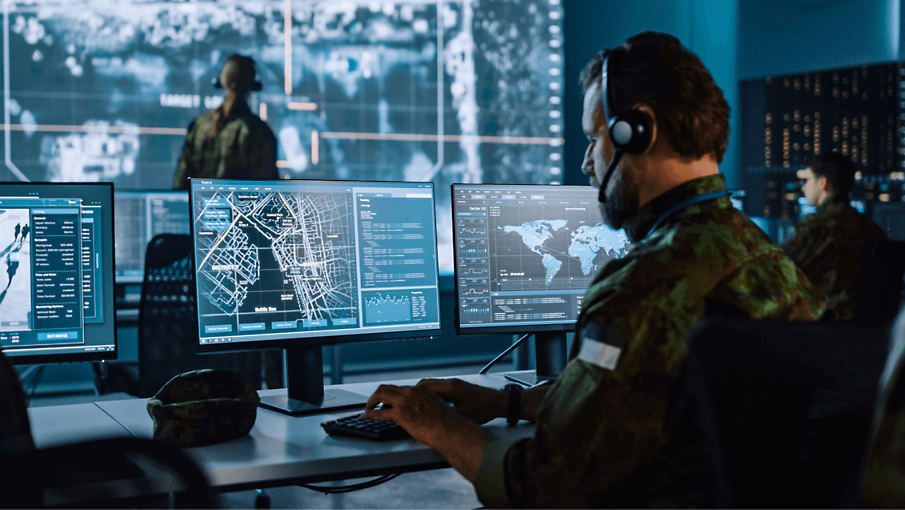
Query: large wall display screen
x=390, y=90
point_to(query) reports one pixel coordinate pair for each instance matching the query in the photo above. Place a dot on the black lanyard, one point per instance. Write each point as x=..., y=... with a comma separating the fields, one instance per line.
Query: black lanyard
x=687, y=203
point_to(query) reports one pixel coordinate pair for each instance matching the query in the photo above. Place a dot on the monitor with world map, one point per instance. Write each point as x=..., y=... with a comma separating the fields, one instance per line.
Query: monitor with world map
x=526, y=254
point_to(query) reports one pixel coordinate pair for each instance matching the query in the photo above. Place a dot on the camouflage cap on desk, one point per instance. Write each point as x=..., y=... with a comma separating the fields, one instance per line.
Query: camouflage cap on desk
x=203, y=407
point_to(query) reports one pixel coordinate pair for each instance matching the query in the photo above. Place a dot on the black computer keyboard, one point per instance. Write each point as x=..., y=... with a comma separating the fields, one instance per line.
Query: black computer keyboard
x=372, y=429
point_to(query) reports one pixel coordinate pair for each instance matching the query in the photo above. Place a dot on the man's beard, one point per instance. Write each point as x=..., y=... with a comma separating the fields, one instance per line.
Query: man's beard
x=621, y=203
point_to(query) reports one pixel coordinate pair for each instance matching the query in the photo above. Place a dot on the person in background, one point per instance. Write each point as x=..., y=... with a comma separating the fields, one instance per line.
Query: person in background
x=832, y=246
x=616, y=429
x=230, y=142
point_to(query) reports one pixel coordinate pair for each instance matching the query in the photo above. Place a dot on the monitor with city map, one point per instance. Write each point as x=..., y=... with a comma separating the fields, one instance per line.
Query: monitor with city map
x=301, y=264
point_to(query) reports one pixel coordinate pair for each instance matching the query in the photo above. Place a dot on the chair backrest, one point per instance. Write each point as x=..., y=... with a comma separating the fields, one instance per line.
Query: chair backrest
x=108, y=473
x=753, y=384
x=884, y=279
x=166, y=320
x=15, y=430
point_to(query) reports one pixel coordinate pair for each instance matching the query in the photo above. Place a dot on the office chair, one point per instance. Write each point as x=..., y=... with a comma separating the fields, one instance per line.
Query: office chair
x=753, y=386
x=166, y=326
x=881, y=290
x=108, y=473
x=15, y=428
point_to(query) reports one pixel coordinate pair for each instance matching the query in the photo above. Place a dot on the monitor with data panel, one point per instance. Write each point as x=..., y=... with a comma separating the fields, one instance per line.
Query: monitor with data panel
x=524, y=258
x=526, y=255
x=302, y=264
x=141, y=215
x=56, y=272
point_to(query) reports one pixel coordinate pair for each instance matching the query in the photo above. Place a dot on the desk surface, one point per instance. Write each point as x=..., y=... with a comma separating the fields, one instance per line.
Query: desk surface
x=279, y=450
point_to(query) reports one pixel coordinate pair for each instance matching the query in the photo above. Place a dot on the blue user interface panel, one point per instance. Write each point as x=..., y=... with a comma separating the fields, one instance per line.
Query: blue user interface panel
x=286, y=260
x=526, y=255
x=56, y=296
x=141, y=215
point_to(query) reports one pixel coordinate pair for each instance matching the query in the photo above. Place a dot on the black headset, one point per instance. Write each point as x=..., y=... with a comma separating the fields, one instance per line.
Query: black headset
x=629, y=130
x=256, y=86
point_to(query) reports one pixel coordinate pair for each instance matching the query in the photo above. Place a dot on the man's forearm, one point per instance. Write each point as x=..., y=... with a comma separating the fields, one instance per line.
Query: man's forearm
x=462, y=444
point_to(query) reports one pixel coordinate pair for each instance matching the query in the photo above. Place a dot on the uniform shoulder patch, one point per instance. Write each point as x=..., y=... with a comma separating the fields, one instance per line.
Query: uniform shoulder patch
x=601, y=345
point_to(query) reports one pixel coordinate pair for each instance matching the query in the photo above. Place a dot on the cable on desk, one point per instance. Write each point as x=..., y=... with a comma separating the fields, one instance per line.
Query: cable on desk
x=350, y=488
x=507, y=351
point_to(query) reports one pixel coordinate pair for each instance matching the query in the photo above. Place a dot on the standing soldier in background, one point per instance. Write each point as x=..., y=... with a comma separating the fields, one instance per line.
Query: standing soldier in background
x=230, y=142
x=832, y=246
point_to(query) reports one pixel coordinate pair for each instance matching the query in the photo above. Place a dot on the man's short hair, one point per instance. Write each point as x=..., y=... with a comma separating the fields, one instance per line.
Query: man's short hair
x=658, y=71
x=838, y=170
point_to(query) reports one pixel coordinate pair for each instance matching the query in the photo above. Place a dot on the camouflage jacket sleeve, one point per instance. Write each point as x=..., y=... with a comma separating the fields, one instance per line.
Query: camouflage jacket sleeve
x=184, y=167
x=620, y=412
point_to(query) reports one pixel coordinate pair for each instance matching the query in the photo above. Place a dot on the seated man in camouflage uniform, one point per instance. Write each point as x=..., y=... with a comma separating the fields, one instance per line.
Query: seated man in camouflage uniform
x=832, y=246
x=615, y=429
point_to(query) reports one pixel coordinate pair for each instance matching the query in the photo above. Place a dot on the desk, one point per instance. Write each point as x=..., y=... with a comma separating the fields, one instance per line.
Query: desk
x=280, y=450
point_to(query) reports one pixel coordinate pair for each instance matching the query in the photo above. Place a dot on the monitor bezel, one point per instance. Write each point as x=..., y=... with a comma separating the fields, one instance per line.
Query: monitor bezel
x=109, y=290
x=501, y=329
x=310, y=341
x=133, y=280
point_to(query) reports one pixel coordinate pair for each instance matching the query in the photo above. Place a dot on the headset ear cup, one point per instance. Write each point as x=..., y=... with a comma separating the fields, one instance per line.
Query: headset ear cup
x=641, y=128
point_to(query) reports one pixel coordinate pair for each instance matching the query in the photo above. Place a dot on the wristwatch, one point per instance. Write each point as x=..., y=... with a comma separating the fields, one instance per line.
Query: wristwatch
x=515, y=403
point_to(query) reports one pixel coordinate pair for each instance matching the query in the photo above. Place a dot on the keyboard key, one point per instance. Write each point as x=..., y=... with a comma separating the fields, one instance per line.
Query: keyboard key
x=371, y=429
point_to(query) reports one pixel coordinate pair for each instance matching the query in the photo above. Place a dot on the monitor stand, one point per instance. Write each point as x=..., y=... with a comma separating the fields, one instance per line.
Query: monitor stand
x=306, y=393
x=550, y=354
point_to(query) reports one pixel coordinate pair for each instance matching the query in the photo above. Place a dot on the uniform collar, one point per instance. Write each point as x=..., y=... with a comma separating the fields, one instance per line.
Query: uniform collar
x=833, y=202
x=638, y=225
x=241, y=108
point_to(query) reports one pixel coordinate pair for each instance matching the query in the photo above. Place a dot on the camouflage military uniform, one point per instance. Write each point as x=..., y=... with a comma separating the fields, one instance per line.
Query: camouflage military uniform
x=832, y=247
x=244, y=149
x=883, y=485
x=603, y=435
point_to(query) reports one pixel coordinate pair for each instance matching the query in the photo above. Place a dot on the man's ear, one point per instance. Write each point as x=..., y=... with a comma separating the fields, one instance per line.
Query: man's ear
x=824, y=184
x=647, y=110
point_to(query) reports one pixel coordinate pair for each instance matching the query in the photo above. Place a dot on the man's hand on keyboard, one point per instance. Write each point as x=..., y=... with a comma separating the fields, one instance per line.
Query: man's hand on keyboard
x=476, y=403
x=417, y=409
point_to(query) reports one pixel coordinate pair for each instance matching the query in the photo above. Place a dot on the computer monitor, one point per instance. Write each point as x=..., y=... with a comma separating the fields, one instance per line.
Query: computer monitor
x=141, y=215
x=300, y=264
x=890, y=216
x=524, y=258
x=56, y=281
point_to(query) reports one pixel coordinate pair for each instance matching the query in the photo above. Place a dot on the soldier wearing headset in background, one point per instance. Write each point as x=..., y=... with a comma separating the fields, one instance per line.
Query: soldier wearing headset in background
x=230, y=142
x=616, y=429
